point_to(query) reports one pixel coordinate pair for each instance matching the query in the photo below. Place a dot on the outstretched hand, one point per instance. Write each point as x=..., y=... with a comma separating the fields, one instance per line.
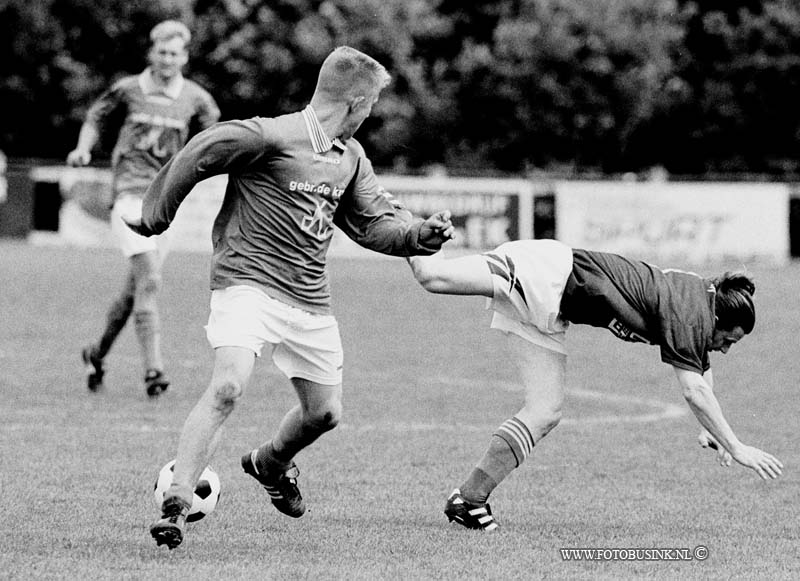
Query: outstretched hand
x=437, y=229
x=764, y=464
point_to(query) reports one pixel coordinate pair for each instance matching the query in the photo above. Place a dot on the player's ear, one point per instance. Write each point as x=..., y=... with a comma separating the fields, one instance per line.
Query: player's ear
x=355, y=102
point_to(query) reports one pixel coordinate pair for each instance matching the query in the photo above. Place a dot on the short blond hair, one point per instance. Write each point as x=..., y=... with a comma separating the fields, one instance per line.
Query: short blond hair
x=348, y=72
x=169, y=29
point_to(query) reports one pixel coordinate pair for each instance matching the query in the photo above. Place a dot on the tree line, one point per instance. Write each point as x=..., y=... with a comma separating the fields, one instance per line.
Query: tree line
x=506, y=86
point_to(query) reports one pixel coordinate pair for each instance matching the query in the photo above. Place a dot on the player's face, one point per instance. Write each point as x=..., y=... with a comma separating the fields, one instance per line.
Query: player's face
x=167, y=57
x=722, y=340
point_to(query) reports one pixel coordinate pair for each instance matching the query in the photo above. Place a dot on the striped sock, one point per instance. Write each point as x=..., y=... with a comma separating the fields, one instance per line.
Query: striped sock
x=518, y=438
x=510, y=445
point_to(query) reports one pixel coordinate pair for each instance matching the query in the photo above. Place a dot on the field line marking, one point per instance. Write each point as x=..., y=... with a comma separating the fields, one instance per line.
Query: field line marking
x=661, y=411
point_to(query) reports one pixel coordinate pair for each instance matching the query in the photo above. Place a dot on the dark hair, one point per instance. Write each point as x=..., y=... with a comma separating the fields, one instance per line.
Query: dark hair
x=734, y=301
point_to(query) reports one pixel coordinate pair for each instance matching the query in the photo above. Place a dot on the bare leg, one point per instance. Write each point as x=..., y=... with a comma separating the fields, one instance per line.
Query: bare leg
x=319, y=411
x=202, y=428
x=543, y=374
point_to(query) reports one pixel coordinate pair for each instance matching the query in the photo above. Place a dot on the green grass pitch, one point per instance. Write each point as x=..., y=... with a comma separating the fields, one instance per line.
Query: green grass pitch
x=426, y=383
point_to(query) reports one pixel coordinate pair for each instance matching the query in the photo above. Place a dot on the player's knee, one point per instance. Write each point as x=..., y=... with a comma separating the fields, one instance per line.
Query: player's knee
x=542, y=418
x=551, y=420
x=225, y=394
x=325, y=418
x=551, y=416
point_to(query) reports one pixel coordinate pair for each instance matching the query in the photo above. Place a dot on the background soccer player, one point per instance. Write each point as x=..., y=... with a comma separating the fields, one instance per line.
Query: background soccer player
x=537, y=287
x=290, y=179
x=156, y=109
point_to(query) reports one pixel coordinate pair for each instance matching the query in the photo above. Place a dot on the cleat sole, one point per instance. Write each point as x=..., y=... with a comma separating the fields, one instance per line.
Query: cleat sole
x=172, y=537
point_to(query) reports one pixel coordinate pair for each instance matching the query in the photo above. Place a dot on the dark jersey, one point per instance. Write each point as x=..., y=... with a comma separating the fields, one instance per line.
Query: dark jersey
x=155, y=123
x=288, y=185
x=639, y=302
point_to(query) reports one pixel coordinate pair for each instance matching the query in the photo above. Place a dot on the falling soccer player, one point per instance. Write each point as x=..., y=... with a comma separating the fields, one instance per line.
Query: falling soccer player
x=536, y=288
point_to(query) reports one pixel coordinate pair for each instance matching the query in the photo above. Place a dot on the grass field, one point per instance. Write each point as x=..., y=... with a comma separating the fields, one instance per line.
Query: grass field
x=425, y=384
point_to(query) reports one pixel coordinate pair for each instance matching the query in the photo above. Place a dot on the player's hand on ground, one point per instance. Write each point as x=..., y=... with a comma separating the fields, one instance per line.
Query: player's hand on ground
x=78, y=158
x=766, y=465
x=135, y=224
x=437, y=229
x=706, y=440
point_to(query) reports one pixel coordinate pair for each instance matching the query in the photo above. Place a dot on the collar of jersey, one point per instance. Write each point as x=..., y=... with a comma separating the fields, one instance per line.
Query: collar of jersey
x=319, y=139
x=150, y=87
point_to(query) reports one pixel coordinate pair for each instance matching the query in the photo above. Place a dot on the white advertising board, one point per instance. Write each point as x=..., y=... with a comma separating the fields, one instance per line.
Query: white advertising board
x=670, y=223
x=676, y=222
x=84, y=215
x=486, y=212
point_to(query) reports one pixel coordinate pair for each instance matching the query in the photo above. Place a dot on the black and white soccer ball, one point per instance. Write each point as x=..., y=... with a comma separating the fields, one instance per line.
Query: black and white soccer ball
x=206, y=493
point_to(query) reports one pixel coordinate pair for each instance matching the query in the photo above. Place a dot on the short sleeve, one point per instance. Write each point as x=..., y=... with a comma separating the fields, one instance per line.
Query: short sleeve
x=684, y=346
x=686, y=327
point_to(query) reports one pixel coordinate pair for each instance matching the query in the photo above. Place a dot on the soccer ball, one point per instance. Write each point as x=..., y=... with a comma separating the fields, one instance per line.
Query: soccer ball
x=206, y=493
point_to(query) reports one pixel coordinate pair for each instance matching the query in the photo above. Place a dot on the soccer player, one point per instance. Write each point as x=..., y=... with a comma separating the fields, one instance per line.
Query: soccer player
x=152, y=114
x=537, y=287
x=290, y=179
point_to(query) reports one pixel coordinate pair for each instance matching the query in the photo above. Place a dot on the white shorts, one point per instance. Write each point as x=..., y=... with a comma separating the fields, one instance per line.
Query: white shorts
x=129, y=241
x=529, y=277
x=303, y=344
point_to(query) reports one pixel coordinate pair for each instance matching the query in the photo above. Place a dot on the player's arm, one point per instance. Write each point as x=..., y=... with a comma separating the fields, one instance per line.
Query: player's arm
x=223, y=148
x=703, y=403
x=464, y=275
x=87, y=139
x=370, y=216
x=705, y=439
x=107, y=105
